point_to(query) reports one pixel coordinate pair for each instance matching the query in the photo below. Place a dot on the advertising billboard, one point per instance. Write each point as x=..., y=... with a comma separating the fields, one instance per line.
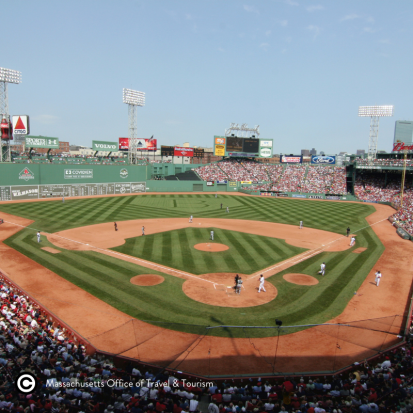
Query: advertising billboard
x=320, y=159
x=291, y=159
x=141, y=144
x=103, y=146
x=41, y=142
x=179, y=151
x=21, y=125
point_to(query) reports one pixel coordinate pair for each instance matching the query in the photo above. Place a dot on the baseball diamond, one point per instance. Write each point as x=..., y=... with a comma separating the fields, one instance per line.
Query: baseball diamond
x=102, y=262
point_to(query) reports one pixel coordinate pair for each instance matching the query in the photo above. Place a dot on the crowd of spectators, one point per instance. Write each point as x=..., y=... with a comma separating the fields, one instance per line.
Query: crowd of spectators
x=325, y=179
x=381, y=387
x=375, y=188
x=292, y=179
x=384, y=162
x=404, y=214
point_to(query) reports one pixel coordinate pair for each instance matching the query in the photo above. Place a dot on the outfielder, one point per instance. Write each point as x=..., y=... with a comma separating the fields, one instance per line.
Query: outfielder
x=211, y=237
x=352, y=241
x=228, y=210
x=190, y=219
x=322, y=269
x=261, y=287
x=143, y=230
x=38, y=236
x=378, y=276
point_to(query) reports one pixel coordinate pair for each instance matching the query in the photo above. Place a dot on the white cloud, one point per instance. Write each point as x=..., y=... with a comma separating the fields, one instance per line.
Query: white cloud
x=45, y=119
x=350, y=17
x=370, y=19
x=284, y=23
x=368, y=30
x=264, y=46
x=314, y=8
x=291, y=2
x=251, y=9
x=314, y=29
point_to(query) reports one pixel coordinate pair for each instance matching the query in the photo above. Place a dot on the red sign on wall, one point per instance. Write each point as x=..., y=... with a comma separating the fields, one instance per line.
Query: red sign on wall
x=123, y=144
x=400, y=146
x=189, y=152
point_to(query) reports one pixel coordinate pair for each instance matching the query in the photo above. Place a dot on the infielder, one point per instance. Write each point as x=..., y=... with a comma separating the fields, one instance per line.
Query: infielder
x=116, y=226
x=261, y=287
x=143, y=230
x=378, y=276
x=38, y=236
x=352, y=241
x=322, y=269
x=190, y=219
x=211, y=237
x=228, y=210
x=301, y=224
x=63, y=198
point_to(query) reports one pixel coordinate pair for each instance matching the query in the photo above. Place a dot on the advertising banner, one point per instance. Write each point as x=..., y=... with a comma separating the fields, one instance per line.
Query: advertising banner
x=210, y=183
x=299, y=196
x=123, y=144
x=21, y=125
x=222, y=182
x=78, y=173
x=103, y=146
x=41, y=142
x=219, y=150
x=265, y=152
x=319, y=159
x=316, y=196
x=219, y=140
x=246, y=182
x=24, y=192
x=232, y=183
x=188, y=152
x=280, y=195
x=291, y=159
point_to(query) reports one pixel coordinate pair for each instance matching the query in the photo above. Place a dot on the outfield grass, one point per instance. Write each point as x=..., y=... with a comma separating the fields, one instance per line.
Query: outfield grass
x=108, y=278
x=247, y=253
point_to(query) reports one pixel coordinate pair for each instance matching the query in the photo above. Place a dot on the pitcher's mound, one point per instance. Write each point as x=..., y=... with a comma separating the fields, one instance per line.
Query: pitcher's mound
x=206, y=246
x=220, y=291
x=300, y=279
x=147, y=279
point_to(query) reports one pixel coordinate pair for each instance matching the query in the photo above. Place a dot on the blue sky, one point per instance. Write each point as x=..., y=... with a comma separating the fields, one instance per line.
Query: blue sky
x=299, y=69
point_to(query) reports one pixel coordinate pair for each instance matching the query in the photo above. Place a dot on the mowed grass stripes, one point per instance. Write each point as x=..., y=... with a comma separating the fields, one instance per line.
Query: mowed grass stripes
x=53, y=216
x=108, y=278
x=247, y=253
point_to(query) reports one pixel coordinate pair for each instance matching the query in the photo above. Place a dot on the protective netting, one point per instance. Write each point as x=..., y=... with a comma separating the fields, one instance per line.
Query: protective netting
x=230, y=350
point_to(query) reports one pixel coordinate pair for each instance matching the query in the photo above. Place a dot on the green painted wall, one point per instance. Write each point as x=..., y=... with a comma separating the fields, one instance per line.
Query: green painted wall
x=43, y=174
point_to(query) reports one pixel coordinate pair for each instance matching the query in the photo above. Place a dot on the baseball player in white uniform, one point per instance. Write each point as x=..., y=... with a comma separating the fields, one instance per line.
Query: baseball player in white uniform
x=322, y=269
x=261, y=287
x=38, y=236
x=227, y=210
x=190, y=219
x=352, y=241
x=211, y=237
x=378, y=276
x=143, y=230
x=301, y=224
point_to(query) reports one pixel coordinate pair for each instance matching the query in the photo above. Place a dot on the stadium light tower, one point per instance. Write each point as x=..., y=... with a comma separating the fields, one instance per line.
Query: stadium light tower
x=133, y=98
x=375, y=113
x=6, y=76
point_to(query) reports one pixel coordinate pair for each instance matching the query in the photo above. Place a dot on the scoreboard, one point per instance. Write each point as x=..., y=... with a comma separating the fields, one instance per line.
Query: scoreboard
x=234, y=146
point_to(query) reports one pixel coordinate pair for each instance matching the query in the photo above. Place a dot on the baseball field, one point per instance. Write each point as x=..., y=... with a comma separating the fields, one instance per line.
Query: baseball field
x=175, y=279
